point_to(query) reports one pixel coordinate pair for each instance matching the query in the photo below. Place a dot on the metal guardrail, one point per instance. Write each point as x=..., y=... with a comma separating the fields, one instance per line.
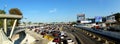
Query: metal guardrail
x=108, y=34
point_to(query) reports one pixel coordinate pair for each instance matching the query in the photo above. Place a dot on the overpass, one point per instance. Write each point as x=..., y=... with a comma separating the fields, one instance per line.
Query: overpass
x=4, y=39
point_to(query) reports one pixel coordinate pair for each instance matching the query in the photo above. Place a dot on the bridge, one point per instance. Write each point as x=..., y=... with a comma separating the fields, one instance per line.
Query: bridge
x=3, y=32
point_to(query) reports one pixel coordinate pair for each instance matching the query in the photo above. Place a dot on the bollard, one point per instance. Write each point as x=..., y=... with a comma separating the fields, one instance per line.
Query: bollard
x=106, y=42
x=90, y=35
x=87, y=33
x=94, y=36
x=99, y=39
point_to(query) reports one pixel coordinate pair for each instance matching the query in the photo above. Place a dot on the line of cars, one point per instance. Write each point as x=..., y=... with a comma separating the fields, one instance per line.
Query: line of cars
x=57, y=36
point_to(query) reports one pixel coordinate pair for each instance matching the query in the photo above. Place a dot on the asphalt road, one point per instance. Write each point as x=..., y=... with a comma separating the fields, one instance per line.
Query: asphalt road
x=81, y=37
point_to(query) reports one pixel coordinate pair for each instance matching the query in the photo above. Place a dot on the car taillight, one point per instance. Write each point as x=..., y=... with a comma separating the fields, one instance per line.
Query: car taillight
x=55, y=40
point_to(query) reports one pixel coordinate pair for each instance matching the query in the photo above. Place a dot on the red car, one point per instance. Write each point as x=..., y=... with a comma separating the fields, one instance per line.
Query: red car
x=43, y=33
x=56, y=40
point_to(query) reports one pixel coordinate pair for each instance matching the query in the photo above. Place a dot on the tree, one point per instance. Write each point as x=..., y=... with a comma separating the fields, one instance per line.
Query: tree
x=24, y=23
x=35, y=23
x=73, y=23
x=39, y=23
x=1, y=20
x=29, y=23
x=15, y=11
x=2, y=12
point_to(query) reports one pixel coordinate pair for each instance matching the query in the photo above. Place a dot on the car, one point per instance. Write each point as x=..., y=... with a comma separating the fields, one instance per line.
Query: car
x=56, y=40
x=43, y=33
x=55, y=34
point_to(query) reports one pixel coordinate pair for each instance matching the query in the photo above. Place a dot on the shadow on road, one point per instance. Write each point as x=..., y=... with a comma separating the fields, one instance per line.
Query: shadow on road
x=21, y=37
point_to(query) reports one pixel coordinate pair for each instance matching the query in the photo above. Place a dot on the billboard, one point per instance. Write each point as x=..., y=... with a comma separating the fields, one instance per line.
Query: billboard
x=98, y=19
x=81, y=17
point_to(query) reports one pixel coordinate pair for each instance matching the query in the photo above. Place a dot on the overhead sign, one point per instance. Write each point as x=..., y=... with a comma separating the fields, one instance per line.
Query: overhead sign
x=98, y=19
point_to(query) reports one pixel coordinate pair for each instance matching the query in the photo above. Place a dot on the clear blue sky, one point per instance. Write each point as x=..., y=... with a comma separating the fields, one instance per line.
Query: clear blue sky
x=61, y=10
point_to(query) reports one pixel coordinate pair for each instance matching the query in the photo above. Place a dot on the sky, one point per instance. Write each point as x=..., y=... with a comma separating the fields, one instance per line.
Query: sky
x=60, y=10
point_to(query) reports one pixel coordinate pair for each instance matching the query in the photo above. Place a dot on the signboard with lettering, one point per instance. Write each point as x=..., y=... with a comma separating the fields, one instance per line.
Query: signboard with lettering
x=98, y=19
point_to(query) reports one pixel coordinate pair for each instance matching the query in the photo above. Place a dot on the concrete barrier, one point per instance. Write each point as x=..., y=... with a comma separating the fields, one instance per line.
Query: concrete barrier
x=101, y=35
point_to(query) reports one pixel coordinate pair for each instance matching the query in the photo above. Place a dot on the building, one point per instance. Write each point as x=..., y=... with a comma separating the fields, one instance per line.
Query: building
x=110, y=19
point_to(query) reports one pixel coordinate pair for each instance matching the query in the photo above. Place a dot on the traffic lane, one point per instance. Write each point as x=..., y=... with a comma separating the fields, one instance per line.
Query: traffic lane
x=70, y=35
x=83, y=38
x=67, y=29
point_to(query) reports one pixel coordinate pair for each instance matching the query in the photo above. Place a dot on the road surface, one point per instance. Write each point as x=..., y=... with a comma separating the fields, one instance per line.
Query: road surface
x=81, y=37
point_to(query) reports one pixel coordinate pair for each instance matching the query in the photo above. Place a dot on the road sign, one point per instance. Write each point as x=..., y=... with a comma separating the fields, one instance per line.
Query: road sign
x=98, y=19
